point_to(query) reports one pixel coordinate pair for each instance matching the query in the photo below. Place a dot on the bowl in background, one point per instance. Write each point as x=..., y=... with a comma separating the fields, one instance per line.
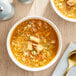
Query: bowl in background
x=61, y=15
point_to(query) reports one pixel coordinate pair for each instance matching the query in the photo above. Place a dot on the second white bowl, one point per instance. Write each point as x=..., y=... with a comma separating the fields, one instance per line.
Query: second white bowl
x=58, y=12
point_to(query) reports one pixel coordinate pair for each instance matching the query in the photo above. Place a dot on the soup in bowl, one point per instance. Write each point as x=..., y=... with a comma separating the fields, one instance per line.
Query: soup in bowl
x=34, y=43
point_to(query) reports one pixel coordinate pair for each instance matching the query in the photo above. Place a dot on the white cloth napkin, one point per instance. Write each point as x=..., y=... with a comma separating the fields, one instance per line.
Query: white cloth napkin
x=63, y=64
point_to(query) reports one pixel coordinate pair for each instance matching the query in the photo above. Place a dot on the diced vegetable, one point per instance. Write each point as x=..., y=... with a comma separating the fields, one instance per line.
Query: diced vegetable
x=23, y=58
x=31, y=56
x=47, y=34
x=29, y=25
x=33, y=52
x=25, y=53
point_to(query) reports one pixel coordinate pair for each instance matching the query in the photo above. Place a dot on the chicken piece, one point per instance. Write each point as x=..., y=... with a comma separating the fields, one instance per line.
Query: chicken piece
x=71, y=2
x=34, y=39
x=29, y=46
x=39, y=48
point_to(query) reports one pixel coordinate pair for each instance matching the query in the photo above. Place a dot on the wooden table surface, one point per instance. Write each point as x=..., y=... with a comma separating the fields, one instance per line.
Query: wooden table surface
x=38, y=8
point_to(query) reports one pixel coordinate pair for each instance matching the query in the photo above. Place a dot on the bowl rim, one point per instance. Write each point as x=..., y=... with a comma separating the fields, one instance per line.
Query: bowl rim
x=26, y=67
x=61, y=15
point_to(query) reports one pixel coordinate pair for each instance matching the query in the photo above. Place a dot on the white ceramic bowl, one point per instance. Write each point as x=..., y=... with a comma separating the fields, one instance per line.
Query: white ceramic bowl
x=61, y=15
x=26, y=67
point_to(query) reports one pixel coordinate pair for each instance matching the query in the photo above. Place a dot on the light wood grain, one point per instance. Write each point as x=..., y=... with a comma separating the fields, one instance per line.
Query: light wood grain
x=38, y=8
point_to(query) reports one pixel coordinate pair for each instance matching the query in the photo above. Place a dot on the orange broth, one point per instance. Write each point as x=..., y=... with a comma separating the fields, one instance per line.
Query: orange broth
x=34, y=43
